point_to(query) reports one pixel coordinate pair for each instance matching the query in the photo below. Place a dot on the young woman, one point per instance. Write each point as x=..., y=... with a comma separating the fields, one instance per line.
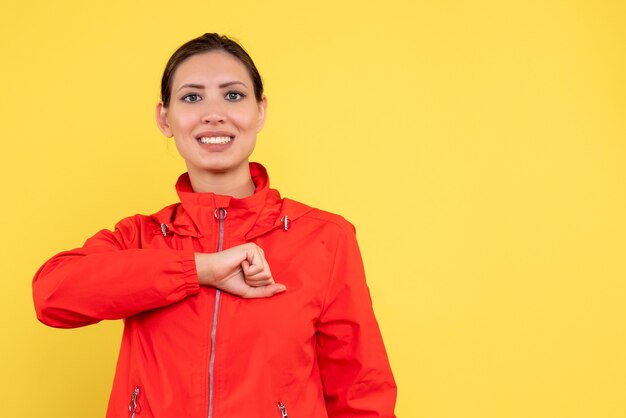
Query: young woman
x=236, y=302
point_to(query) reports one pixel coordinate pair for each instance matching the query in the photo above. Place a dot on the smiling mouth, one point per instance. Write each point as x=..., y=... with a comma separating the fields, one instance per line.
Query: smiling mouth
x=215, y=139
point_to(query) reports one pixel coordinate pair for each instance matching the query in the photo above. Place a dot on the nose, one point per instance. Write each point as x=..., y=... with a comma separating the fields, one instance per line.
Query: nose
x=213, y=113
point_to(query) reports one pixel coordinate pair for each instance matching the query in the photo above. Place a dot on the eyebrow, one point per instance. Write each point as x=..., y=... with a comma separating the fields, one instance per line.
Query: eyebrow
x=201, y=86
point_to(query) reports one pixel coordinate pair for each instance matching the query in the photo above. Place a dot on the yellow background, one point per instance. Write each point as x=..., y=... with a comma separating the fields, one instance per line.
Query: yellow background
x=478, y=146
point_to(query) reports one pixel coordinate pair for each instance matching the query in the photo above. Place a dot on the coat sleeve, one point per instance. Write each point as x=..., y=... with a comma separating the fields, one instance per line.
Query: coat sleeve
x=353, y=363
x=110, y=277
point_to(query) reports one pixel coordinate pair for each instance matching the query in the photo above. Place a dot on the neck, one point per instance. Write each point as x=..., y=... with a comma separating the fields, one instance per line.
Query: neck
x=237, y=183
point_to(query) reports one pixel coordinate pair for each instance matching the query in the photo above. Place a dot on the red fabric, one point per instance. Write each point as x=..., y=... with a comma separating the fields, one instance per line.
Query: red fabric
x=316, y=347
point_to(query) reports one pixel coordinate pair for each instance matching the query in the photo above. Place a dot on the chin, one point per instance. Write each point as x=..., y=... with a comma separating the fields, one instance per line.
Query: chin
x=222, y=167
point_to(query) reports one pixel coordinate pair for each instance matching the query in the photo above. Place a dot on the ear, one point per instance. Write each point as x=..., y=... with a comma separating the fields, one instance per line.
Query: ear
x=161, y=120
x=262, y=113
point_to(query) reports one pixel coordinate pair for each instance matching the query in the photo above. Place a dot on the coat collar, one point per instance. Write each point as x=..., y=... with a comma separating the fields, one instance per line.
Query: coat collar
x=247, y=218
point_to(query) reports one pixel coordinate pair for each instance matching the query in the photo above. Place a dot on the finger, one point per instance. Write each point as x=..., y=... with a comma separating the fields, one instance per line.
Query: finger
x=259, y=283
x=254, y=257
x=261, y=279
x=252, y=269
x=259, y=276
x=265, y=291
x=266, y=266
x=257, y=262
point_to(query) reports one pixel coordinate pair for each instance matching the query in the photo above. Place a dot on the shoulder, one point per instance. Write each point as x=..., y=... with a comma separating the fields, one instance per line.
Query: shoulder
x=333, y=219
x=165, y=216
x=136, y=222
x=131, y=228
x=317, y=216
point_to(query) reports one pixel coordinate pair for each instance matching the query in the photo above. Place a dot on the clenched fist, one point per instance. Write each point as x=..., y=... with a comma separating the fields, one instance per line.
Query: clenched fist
x=242, y=271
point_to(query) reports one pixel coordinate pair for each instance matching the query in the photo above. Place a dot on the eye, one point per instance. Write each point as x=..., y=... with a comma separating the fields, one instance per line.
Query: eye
x=191, y=98
x=234, y=96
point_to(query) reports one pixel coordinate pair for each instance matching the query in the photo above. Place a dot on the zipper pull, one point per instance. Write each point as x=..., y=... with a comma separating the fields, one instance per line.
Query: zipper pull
x=285, y=220
x=220, y=213
x=132, y=406
x=283, y=410
x=164, y=229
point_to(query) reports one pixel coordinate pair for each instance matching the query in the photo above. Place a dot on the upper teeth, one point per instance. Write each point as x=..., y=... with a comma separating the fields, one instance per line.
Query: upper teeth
x=215, y=139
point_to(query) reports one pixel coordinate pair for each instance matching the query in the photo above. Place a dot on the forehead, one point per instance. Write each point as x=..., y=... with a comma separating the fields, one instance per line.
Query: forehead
x=211, y=67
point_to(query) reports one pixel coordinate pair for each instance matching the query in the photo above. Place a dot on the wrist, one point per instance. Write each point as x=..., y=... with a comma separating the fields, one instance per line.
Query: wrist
x=203, y=269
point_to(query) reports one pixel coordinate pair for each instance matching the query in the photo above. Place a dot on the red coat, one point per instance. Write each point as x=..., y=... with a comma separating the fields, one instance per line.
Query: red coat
x=188, y=351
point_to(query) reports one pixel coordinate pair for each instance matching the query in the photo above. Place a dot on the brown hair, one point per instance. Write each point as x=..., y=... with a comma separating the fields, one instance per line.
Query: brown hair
x=206, y=43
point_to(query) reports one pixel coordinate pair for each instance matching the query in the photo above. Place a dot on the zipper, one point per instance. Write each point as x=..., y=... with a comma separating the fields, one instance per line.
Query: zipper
x=283, y=410
x=220, y=215
x=132, y=406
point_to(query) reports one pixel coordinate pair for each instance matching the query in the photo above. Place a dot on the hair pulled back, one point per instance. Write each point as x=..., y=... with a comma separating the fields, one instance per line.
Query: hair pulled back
x=207, y=43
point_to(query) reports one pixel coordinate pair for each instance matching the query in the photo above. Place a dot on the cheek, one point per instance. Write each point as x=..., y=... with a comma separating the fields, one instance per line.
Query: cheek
x=183, y=123
x=247, y=120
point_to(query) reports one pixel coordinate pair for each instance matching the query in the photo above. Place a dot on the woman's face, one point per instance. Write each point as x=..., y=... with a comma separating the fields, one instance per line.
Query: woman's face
x=213, y=114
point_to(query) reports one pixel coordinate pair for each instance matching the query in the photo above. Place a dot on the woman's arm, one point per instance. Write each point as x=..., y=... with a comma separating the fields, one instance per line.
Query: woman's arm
x=111, y=277
x=355, y=371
